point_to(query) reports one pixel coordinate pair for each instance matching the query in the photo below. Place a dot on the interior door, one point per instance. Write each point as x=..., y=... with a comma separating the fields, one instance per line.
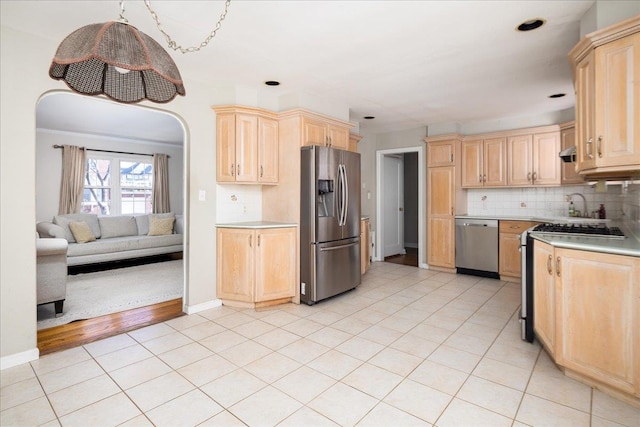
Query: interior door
x=393, y=202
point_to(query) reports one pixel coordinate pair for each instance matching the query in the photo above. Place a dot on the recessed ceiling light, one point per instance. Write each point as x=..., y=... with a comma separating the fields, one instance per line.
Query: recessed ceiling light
x=369, y=117
x=557, y=95
x=272, y=83
x=531, y=24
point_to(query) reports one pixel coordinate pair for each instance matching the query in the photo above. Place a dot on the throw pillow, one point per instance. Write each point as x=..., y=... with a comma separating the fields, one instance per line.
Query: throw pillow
x=81, y=231
x=160, y=226
x=142, y=221
x=90, y=219
x=118, y=226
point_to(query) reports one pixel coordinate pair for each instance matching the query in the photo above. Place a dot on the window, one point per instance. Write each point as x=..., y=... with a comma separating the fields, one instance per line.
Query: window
x=129, y=192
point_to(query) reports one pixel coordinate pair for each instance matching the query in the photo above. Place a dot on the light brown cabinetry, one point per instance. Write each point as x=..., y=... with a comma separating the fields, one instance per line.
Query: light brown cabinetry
x=246, y=145
x=533, y=159
x=607, y=80
x=568, y=172
x=256, y=266
x=353, y=142
x=319, y=132
x=510, y=260
x=587, y=314
x=544, y=307
x=484, y=163
x=444, y=197
x=365, y=248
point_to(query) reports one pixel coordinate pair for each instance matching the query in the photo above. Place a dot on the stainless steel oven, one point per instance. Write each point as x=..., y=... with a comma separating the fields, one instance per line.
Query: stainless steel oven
x=598, y=230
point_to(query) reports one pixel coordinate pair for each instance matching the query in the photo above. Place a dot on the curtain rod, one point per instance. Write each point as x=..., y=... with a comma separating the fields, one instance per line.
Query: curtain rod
x=110, y=151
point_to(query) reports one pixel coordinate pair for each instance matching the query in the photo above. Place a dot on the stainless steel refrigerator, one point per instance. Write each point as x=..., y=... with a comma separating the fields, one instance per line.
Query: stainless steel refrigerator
x=329, y=222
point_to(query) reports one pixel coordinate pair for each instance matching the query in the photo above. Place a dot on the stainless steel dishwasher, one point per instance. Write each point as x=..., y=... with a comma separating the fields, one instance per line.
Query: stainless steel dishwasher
x=477, y=247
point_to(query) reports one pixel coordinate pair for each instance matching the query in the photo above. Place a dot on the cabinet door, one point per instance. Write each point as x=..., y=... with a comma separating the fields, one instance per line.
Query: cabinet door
x=472, y=164
x=495, y=162
x=617, y=111
x=519, y=164
x=568, y=172
x=268, y=154
x=275, y=264
x=440, y=153
x=246, y=148
x=585, y=108
x=225, y=147
x=235, y=264
x=544, y=309
x=441, y=242
x=599, y=316
x=546, y=162
x=441, y=193
x=364, y=246
x=510, y=262
x=314, y=132
x=338, y=137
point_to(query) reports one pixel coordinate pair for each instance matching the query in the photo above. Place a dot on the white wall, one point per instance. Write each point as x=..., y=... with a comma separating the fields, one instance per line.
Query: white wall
x=25, y=59
x=49, y=166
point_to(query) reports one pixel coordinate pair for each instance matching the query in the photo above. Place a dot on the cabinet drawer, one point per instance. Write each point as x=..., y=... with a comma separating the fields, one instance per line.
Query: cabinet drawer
x=516, y=227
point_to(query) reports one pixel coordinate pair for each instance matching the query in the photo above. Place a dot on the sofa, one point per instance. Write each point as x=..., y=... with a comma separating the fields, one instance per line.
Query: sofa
x=94, y=239
x=51, y=272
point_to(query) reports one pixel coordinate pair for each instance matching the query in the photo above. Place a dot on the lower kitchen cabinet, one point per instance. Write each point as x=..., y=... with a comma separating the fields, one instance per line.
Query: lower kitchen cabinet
x=256, y=266
x=510, y=260
x=365, y=254
x=587, y=315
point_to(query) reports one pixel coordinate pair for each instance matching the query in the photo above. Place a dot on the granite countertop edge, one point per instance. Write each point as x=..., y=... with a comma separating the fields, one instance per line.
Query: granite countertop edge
x=257, y=224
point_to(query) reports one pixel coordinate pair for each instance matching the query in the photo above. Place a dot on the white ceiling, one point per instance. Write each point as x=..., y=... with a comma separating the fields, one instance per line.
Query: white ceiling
x=408, y=63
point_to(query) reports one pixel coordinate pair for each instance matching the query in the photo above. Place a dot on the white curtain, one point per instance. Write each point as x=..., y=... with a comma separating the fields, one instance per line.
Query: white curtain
x=74, y=160
x=160, y=194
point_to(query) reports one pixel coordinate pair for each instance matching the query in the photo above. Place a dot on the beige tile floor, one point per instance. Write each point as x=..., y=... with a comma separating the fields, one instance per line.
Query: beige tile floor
x=408, y=347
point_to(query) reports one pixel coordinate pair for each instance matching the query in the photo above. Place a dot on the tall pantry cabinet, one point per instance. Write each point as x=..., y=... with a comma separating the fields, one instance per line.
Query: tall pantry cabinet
x=445, y=198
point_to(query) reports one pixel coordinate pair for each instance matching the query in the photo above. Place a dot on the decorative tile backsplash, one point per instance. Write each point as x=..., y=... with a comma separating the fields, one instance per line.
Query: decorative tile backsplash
x=620, y=201
x=238, y=203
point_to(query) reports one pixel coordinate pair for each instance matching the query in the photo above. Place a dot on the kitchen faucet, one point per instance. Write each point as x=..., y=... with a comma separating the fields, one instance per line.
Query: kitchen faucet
x=585, y=212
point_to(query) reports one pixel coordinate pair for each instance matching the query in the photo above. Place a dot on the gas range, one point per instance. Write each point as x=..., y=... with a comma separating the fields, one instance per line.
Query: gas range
x=581, y=230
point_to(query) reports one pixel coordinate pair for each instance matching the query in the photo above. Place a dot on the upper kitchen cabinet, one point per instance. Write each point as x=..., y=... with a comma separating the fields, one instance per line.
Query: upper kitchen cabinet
x=246, y=145
x=568, y=172
x=533, y=159
x=484, y=162
x=441, y=153
x=353, y=142
x=310, y=128
x=606, y=66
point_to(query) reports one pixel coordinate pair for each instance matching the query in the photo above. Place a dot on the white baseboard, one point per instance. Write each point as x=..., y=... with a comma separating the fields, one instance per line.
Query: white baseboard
x=424, y=265
x=411, y=245
x=19, y=358
x=192, y=309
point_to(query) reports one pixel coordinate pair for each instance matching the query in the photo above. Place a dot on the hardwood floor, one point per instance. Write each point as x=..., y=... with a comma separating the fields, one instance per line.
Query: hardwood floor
x=85, y=331
x=410, y=258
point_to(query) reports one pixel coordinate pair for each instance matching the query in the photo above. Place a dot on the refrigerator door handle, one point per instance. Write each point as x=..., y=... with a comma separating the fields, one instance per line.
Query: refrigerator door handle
x=335, y=248
x=341, y=204
x=346, y=194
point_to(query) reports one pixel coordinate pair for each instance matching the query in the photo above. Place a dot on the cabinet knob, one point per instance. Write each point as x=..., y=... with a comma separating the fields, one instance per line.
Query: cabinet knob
x=232, y=167
x=484, y=178
x=535, y=176
x=549, y=270
x=588, y=146
x=529, y=176
x=479, y=178
x=261, y=171
x=451, y=157
x=558, y=266
x=238, y=169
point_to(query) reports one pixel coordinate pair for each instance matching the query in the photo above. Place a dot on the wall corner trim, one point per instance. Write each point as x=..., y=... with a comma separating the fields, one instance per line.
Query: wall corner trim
x=192, y=309
x=19, y=358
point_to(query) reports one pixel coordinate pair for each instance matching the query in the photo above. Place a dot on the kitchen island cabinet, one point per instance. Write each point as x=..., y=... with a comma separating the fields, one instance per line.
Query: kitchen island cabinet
x=256, y=266
x=606, y=69
x=587, y=315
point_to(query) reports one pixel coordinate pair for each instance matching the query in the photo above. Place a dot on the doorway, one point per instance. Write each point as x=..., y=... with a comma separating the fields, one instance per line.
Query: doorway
x=400, y=206
x=119, y=133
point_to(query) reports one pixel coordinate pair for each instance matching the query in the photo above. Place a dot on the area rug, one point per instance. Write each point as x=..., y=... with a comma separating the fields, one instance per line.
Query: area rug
x=95, y=294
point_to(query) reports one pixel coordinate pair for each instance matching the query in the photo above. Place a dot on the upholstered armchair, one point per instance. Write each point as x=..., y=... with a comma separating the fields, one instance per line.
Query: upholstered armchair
x=51, y=268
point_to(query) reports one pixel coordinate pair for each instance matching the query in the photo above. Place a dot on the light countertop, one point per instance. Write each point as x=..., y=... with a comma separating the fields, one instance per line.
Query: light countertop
x=630, y=245
x=257, y=224
x=550, y=219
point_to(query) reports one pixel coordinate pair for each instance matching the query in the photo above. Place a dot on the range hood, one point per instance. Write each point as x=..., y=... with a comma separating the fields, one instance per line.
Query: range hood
x=568, y=155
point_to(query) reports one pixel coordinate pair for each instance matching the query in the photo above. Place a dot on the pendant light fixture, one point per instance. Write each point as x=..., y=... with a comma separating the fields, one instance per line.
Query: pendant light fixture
x=121, y=62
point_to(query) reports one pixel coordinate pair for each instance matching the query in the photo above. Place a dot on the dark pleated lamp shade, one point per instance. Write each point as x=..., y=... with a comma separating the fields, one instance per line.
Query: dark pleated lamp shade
x=117, y=60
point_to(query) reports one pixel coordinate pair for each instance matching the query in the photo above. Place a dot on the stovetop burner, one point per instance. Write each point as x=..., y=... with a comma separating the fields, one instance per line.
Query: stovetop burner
x=589, y=230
